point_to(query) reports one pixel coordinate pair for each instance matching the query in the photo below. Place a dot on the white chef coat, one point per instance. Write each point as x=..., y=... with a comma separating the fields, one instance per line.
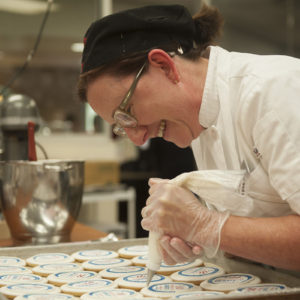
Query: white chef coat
x=251, y=111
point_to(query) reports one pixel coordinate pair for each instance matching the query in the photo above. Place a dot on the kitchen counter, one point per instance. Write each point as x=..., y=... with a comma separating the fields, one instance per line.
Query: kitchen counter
x=79, y=233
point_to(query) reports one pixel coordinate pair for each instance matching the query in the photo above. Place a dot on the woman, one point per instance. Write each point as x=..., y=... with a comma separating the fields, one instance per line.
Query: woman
x=237, y=111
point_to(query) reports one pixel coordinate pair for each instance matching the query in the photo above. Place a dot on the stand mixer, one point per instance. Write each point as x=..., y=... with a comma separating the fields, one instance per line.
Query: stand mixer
x=16, y=111
x=40, y=199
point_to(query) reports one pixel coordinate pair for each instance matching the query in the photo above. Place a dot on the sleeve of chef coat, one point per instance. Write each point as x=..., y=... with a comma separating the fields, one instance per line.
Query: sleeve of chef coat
x=276, y=134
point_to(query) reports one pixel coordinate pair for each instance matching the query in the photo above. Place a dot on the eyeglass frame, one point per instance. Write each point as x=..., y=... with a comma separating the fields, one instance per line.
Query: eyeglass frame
x=118, y=129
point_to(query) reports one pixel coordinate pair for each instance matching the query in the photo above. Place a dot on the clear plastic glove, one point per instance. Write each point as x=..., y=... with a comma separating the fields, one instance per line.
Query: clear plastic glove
x=175, y=211
x=175, y=250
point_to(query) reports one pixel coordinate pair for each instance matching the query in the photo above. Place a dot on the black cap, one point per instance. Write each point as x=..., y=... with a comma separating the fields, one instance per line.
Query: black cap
x=127, y=32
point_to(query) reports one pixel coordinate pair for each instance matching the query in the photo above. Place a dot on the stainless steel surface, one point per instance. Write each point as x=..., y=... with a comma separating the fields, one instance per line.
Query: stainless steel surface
x=229, y=264
x=41, y=199
x=2, y=297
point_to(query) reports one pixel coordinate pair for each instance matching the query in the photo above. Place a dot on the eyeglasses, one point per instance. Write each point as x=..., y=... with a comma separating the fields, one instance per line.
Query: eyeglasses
x=122, y=117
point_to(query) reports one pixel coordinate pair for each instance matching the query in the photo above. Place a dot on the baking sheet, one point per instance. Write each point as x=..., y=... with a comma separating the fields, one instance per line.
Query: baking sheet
x=229, y=264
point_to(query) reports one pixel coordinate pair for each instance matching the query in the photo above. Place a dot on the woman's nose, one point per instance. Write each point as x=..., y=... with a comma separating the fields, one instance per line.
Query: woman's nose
x=137, y=135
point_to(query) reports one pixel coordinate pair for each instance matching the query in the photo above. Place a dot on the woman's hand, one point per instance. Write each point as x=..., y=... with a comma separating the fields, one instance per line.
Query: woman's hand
x=176, y=212
x=174, y=250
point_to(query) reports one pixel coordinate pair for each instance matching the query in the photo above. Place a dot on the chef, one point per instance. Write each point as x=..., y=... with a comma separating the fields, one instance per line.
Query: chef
x=154, y=71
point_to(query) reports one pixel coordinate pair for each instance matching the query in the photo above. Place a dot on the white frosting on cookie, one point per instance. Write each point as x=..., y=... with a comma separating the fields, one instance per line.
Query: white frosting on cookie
x=12, y=261
x=116, y=272
x=262, y=288
x=8, y=279
x=166, y=290
x=111, y=293
x=61, y=278
x=14, y=269
x=47, y=258
x=229, y=282
x=45, y=296
x=100, y=264
x=197, y=274
x=47, y=269
x=138, y=281
x=14, y=290
x=85, y=255
x=132, y=251
x=78, y=288
x=196, y=294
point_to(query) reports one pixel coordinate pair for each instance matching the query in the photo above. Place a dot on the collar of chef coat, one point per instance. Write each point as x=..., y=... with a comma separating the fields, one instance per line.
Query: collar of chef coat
x=210, y=104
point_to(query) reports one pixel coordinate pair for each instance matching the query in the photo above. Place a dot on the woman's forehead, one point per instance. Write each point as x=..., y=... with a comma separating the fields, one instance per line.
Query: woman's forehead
x=104, y=95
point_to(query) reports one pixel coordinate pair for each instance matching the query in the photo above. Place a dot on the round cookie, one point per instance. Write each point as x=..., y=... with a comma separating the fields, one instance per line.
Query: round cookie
x=133, y=251
x=116, y=272
x=8, y=279
x=13, y=290
x=262, y=287
x=61, y=278
x=102, y=263
x=197, y=275
x=78, y=288
x=14, y=270
x=11, y=261
x=229, y=282
x=169, y=269
x=93, y=254
x=52, y=296
x=111, y=293
x=166, y=290
x=47, y=269
x=140, y=260
x=196, y=294
x=138, y=281
x=47, y=258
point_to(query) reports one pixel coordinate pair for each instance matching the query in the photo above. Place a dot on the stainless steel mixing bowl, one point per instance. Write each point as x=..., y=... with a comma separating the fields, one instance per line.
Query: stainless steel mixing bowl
x=41, y=199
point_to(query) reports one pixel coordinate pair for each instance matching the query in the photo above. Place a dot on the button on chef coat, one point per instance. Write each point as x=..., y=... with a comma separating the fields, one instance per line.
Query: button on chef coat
x=251, y=111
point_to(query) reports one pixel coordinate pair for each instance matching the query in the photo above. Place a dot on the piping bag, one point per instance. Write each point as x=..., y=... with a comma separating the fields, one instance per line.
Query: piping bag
x=154, y=256
x=218, y=189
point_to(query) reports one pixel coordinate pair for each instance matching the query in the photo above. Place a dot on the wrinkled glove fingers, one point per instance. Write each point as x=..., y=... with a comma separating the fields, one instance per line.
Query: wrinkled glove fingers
x=172, y=255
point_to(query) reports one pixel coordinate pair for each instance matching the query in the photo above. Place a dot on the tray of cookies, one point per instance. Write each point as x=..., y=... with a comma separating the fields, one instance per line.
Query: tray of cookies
x=117, y=270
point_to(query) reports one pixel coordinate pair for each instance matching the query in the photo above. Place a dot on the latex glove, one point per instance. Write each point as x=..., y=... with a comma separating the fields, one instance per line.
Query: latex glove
x=175, y=211
x=175, y=250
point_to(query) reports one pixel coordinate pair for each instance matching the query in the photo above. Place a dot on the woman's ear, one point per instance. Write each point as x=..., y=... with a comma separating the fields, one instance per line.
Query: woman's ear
x=160, y=59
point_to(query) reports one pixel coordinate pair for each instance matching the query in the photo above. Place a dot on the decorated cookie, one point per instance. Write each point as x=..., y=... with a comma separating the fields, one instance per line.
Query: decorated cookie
x=166, y=290
x=66, y=277
x=168, y=269
x=14, y=290
x=47, y=269
x=229, y=282
x=132, y=251
x=8, y=279
x=138, y=281
x=196, y=275
x=196, y=294
x=11, y=261
x=102, y=263
x=14, y=270
x=262, y=287
x=45, y=296
x=78, y=288
x=112, y=293
x=93, y=254
x=116, y=272
x=47, y=258
x=140, y=260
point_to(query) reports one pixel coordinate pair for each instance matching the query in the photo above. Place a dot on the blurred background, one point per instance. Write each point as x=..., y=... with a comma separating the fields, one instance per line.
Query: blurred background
x=71, y=130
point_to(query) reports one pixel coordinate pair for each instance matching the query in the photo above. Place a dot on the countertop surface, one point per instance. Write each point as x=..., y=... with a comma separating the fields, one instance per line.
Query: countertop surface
x=79, y=233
